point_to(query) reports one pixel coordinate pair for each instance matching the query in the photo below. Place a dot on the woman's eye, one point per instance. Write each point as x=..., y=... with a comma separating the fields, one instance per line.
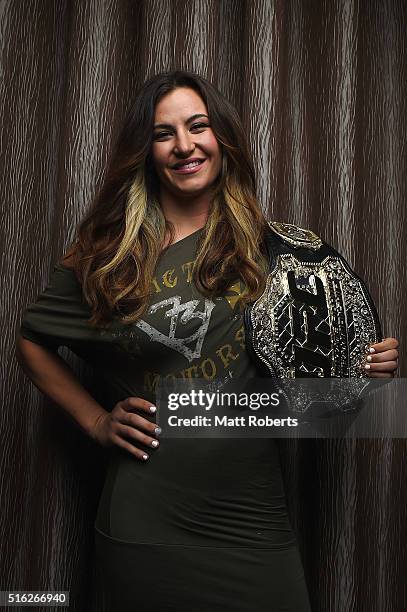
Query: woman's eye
x=199, y=125
x=194, y=126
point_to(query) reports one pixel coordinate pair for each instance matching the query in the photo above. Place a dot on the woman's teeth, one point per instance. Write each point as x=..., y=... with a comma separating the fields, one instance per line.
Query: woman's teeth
x=191, y=165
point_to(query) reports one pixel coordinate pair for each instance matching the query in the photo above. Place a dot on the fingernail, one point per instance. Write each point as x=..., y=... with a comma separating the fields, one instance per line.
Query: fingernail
x=153, y=408
x=145, y=457
x=369, y=358
x=372, y=350
x=157, y=430
x=367, y=367
x=155, y=443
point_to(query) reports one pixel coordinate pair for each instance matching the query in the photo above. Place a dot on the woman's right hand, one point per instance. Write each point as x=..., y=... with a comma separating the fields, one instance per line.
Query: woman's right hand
x=121, y=423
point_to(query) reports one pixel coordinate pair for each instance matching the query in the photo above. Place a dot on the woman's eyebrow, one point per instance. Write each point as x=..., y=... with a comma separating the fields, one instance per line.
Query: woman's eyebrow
x=168, y=125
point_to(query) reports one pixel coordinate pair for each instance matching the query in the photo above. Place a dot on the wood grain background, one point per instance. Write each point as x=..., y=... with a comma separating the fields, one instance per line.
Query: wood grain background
x=321, y=88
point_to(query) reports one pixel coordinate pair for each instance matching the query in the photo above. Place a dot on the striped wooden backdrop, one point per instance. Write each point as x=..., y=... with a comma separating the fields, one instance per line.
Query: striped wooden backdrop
x=321, y=87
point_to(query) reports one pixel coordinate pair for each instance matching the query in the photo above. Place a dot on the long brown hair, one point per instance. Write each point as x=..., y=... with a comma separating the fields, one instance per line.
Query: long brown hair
x=120, y=239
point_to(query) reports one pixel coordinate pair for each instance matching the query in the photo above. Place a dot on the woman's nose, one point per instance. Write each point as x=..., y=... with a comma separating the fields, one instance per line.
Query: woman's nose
x=183, y=143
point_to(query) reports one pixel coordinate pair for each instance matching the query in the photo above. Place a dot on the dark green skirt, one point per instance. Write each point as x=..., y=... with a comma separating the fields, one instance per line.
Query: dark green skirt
x=179, y=578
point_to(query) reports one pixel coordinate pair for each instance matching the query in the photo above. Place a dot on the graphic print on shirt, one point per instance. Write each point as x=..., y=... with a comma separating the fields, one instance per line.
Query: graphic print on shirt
x=205, y=338
x=188, y=311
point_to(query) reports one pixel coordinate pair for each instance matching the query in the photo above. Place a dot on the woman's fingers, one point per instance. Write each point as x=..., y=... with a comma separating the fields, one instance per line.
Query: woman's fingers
x=142, y=455
x=391, y=355
x=374, y=368
x=128, y=424
x=132, y=403
x=133, y=423
x=135, y=433
x=383, y=362
x=387, y=366
x=137, y=422
x=385, y=345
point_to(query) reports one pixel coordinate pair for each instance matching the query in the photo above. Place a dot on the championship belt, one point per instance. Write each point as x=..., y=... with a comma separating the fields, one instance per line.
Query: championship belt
x=315, y=317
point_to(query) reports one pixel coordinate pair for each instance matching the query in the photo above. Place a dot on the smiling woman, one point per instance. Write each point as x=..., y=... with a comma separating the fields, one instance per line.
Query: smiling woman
x=155, y=287
x=148, y=201
x=187, y=158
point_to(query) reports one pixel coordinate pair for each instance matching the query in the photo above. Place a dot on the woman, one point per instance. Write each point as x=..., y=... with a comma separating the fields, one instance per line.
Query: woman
x=154, y=287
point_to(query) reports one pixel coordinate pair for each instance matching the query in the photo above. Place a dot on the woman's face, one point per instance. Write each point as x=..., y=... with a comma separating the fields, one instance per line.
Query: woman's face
x=181, y=135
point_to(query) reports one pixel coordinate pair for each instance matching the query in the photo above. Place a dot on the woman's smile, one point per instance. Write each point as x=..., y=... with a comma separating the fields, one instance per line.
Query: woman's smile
x=190, y=168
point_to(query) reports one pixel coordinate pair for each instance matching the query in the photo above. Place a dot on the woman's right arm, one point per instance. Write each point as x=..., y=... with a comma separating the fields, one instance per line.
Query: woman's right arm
x=53, y=377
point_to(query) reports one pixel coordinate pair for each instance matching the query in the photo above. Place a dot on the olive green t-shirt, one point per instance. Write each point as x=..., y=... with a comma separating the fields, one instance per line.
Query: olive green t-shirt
x=181, y=335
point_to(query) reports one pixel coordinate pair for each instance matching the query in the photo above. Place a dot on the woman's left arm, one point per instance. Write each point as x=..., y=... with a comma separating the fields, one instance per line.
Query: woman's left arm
x=383, y=360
